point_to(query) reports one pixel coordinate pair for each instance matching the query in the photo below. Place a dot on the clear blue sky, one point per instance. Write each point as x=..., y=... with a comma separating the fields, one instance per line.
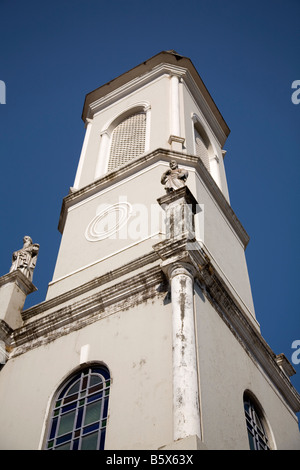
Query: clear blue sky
x=54, y=52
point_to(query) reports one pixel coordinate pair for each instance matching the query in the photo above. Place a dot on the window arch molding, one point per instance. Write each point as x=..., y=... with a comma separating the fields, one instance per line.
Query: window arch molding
x=207, y=149
x=77, y=415
x=106, y=133
x=259, y=432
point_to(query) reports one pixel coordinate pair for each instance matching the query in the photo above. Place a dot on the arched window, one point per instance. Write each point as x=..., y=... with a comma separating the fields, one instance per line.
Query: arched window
x=79, y=413
x=128, y=140
x=202, y=145
x=258, y=439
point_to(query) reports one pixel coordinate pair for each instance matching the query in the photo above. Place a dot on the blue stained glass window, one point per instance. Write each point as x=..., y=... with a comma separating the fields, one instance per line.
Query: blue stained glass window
x=79, y=414
x=258, y=439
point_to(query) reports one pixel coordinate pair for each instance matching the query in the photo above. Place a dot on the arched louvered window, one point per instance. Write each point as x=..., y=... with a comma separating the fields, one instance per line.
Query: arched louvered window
x=128, y=140
x=258, y=439
x=201, y=147
x=79, y=413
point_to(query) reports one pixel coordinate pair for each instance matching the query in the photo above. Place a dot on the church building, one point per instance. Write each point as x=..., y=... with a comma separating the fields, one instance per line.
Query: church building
x=147, y=338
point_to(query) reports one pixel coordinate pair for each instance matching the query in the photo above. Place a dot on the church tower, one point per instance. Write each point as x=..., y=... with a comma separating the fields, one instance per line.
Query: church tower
x=147, y=338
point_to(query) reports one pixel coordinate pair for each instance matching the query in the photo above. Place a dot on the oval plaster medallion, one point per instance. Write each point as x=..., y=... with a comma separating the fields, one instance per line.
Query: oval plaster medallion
x=108, y=221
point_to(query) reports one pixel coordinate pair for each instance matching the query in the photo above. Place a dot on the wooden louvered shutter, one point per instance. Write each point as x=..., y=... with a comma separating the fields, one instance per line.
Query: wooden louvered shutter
x=201, y=149
x=128, y=140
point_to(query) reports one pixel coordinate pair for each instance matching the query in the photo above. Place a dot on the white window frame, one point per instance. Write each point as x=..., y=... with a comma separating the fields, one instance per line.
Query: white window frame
x=107, y=132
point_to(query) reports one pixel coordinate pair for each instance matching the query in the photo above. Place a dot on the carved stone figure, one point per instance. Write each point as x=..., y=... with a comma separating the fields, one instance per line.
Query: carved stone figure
x=174, y=178
x=25, y=258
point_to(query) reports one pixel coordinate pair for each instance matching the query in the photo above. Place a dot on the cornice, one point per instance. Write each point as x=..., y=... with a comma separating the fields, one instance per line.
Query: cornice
x=56, y=302
x=18, y=278
x=144, y=161
x=133, y=85
x=166, y=61
x=163, y=69
x=5, y=331
x=119, y=297
x=137, y=289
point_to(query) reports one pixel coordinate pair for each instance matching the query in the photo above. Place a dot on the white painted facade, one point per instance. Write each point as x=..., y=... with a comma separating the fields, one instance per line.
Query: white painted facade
x=166, y=308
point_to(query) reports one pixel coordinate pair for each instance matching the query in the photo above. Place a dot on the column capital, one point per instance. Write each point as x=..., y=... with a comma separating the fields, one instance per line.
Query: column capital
x=176, y=268
x=88, y=121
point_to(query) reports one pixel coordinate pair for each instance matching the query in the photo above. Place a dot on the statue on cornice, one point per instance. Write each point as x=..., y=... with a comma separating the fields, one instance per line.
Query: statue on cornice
x=174, y=178
x=24, y=259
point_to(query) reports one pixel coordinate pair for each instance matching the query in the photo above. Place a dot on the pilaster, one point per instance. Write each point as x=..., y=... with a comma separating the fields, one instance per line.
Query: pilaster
x=175, y=140
x=186, y=407
x=83, y=153
x=180, y=207
x=14, y=288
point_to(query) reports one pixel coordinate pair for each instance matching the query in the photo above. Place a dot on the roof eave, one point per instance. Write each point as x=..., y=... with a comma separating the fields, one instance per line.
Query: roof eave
x=169, y=57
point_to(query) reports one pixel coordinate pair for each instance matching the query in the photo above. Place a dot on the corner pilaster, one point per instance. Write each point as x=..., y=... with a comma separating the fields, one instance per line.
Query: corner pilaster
x=180, y=207
x=14, y=288
x=186, y=406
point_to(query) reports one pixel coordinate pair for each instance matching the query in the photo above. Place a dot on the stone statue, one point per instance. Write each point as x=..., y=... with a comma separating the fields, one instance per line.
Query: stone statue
x=174, y=178
x=25, y=259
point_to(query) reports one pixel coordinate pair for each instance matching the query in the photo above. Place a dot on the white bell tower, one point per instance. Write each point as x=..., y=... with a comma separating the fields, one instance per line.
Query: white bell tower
x=148, y=338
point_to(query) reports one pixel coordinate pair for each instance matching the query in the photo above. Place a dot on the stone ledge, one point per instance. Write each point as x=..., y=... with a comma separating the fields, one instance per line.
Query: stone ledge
x=120, y=296
x=57, y=301
x=142, y=162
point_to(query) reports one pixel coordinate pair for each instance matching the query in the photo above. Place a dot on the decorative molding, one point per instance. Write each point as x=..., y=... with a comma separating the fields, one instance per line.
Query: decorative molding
x=136, y=84
x=125, y=112
x=285, y=365
x=175, y=138
x=5, y=331
x=176, y=268
x=18, y=278
x=123, y=209
x=139, y=288
x=141, y=163
x=119, y=297
x=56, y=302
x=164, y=63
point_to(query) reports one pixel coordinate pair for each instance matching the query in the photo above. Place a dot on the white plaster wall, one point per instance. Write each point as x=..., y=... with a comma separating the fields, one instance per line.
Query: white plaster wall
x=135, y=345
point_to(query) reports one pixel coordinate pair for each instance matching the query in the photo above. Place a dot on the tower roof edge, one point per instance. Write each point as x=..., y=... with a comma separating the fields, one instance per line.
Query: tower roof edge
x=169, y=57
